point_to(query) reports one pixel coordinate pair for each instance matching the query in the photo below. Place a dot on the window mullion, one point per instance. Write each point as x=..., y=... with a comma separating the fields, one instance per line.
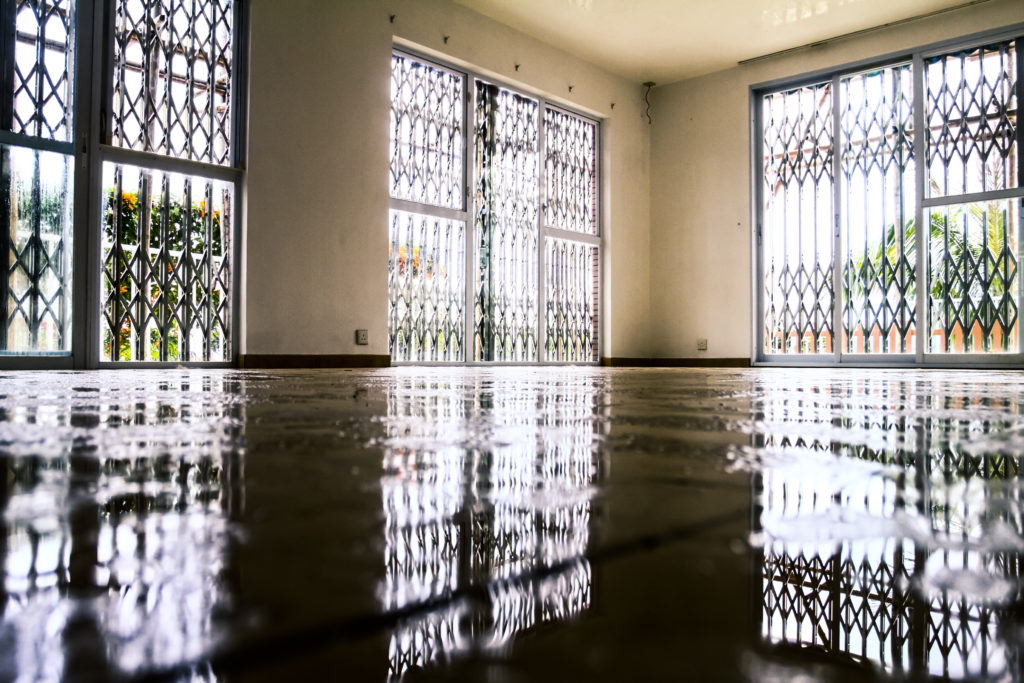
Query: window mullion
x=8, y=13
x=838, y=205
x=542, y=295
x=469, y=233
x=922, y=232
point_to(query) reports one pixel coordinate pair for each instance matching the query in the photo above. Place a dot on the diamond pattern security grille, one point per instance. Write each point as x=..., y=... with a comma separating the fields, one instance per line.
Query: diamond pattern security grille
x=971, y=113
x=42, y=70
x=426, y=288
x=570, y=297
x=36, y=197
x=570, y=171
x=879, y=247
x=430, y=215
x=172, y=78
x=427, y=133
x=166, y=267
x=973, y=280
x=797, y=211
x=507, y=203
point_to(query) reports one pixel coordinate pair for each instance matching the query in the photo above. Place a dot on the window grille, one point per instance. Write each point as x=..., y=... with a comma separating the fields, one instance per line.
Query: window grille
x=426, y=287
x=530, y=285
x=172, y=78
x=166, y=275
x=41, y=77
x=798, y=289
x=856, y=211
x=570, y=300
x=879, y=255
x=506, y=144
x=167, y=231
x=36, y=175
x=427, y=133
x=571, y=265
x=570, y=171
x=972, y=147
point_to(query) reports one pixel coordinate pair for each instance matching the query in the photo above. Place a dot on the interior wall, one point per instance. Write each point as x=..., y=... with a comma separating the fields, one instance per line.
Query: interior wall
x=315, y=243
x=701, y=176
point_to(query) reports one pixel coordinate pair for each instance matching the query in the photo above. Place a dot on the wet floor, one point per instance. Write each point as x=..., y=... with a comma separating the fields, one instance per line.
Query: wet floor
x=512, y=524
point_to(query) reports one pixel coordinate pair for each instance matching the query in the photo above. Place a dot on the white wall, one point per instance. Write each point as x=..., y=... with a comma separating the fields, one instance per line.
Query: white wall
x=315, y=246
x=700, y=182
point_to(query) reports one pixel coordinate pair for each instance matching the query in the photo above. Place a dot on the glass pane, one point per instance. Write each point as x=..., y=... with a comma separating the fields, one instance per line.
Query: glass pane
x=43, y=69
x=878, y=176
x=570, y=171
x=426, y=288
x=507, y=198
x=972, y=278
x=36, y=195
x=172, y=78
x=166, y=286
x=427, y=133
x=570, y=295
x=797, y=220
x=971, y=110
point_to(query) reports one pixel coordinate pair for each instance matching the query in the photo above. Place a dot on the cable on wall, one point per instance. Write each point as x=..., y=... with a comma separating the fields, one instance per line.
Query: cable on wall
x=647, y=91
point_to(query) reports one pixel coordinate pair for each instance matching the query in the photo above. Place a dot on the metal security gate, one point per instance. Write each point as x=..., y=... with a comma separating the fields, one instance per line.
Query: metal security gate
x=850, y=164
x=507, y=270
x=120, y=155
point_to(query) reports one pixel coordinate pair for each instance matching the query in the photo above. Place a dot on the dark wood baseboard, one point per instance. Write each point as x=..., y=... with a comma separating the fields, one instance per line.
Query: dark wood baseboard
x=266, y=361
x=676, y=362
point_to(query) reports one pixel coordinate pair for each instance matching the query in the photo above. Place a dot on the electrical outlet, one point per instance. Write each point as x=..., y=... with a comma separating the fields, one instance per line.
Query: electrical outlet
x=362, y=337
x=702, y=344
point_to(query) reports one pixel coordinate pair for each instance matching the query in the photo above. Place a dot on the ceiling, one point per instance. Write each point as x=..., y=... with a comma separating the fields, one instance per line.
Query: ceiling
x=670, y=40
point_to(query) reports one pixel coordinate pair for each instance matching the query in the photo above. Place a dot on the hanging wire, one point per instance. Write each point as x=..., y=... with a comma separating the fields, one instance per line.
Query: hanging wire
x=648, y=85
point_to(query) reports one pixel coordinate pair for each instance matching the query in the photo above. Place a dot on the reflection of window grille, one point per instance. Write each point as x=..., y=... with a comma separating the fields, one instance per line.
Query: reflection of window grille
x=141, y=526
x=527, y=272
x=878, y=590
x=959, y=276
x=457, y=519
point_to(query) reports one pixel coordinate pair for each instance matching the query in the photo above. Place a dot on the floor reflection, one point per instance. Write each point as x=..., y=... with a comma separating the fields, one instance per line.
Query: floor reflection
x=891, y=525
x=118, y=493
x=510, y=515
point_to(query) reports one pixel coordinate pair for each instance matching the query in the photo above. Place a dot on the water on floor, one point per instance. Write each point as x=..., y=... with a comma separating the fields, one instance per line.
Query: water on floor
x=511, y=524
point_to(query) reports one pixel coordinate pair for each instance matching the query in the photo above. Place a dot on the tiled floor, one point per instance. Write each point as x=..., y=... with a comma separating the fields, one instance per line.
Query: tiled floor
x=512, y=524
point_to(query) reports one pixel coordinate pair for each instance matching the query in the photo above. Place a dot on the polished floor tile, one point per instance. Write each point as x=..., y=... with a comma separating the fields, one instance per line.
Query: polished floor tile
x=512, y=524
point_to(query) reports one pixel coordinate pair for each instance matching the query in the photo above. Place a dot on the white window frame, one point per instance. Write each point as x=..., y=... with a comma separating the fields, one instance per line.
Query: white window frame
x=921, y=357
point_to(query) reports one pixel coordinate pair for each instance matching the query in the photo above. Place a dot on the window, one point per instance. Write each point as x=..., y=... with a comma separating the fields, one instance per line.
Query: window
x=521, y=282
x=850, y=168
x=167, y=229
x=36, y=175
x=154, y=196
